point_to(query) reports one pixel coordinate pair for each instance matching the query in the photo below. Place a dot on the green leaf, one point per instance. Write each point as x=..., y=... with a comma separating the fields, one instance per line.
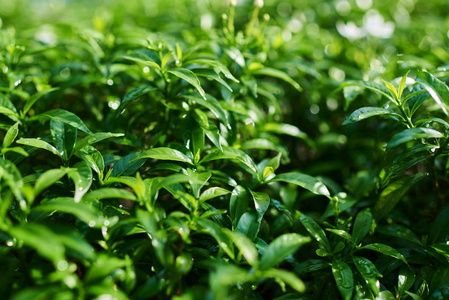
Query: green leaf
x=399, y=231
x=63, y=116
x=315, y=230
x=248, y=225
x=402, y=85
x=311, y=265
x=277, y=74
x=105, y=193
x=165, y=153
x=386, y=250
x=215, y=231
x=213, y=75
x=128, y=165
x=305, y=181
x=368, y=271
x=287, y=129
x=85, y=212
x=94, y=138
x=37, y=143
x=245, y=246
x=142, y=59
x=213, y=105
x=11, y=175
x=344, y=278
x=215, y=64
x=280, y=248
x=190, y=77
x=133, y=95
x=377, y=87
x=82, y=178
x=440, y=280
x=42, y=239
x=64, y=138
x=103, y=266
x=49, y=178
x=437, y=89
x=287, y=277
x=406, y=279
x=367, y=112
x=413, y=134
x=439, y=228
x=362, y=225
x=30, y=102
x=341, y=233
x=197, y=181
x=392, y=194
x=213, y=193
x=238, y=204
x=93, y=158
x=238, y=156
x=9, y=113
x=392, y=89
x=261, y=203
x=11, y=135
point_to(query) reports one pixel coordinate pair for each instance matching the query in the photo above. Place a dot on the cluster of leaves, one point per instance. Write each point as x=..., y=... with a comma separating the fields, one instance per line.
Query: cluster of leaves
x=171, y=159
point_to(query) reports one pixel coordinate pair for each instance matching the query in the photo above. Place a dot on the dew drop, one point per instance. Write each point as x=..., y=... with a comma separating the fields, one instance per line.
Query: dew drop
x=91, y=223
x=17, y=82
x=62, y=265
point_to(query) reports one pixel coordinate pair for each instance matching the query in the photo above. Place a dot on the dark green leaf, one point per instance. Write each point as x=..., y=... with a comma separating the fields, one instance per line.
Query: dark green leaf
x=386, y=250
x=93, y=158
x=315, y=230
x=439, y=229
x=94, y=138
x=344, y=278
x=128, y=165
x=248, y=225
x=245, y=246
x=362, y=225
x=37, y=143
x=215, y=231
x=261, y=203
x=239, y=203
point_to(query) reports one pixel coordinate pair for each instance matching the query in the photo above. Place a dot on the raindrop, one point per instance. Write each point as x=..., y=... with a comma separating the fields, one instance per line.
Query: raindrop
x=91, y=223
x=110, y=82
x=17, y=82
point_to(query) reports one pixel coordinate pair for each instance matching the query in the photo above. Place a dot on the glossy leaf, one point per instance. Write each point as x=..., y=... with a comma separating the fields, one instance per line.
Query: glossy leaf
x=368, y=271
x=413, y=134
x=39, y=144
x=406, y=278
x=94, y=138
x=305, y=181
x=213, y=193
x=63, y=116
x=261, y=203
x=439, y=227
x=245, y=246
x=362, y=225
x=283, y=128
x=215, y=231
x=437, y=89
x=248, y=225
x=368, y=112
x=374, y=86
x=64, y=138
x=190, y=77
x=344, y=278
x=386, y=250
x=239, y=203
x=165, y=153
x=216, y=65
x=105, y=193
x=128, y=165
x=93, y=158
x=82, y=178
x=134, y=94
x=280, y=248
x=11, y=135
x=315, y=230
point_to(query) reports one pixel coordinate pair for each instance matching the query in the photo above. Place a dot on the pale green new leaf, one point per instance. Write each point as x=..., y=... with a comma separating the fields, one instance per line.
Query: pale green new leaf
x=11, y=135
x=413, y=134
